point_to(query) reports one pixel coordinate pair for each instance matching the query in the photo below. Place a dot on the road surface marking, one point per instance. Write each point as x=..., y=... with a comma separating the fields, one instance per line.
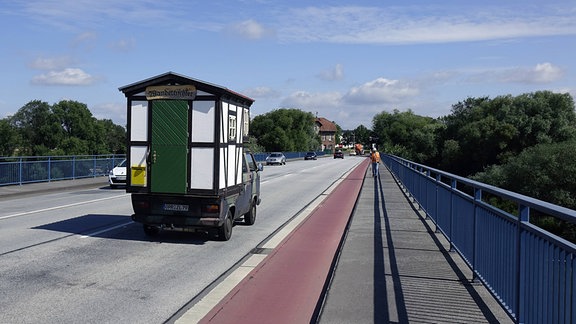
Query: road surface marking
x=58, y=207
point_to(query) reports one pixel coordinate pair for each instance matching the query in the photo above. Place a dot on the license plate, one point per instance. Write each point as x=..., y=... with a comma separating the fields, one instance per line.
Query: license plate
x=175, y=207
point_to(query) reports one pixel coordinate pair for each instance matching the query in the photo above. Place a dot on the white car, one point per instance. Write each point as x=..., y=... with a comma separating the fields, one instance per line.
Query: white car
x=117, y=176
x=276, y=158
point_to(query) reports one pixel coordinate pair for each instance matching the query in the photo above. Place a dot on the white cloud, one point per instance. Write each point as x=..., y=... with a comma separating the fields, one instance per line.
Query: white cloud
x=358, y=105
x=124, y=45
x=376, y=24
x=51, y=63
x=422, y=24
x=381, y=91
x=309, y=101
x=85, y=38
x=261, y=92
x=114, y=111
x=336, y=73
x=68, y=77
x=541, y=73
x=250, y=29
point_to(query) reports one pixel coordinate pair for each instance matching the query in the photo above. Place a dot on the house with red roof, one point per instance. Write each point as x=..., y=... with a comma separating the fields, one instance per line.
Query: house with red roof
x=327, y=131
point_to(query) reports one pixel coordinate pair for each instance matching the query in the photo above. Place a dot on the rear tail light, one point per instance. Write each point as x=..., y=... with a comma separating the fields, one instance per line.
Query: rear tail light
x=211, y=209
x=142, y=204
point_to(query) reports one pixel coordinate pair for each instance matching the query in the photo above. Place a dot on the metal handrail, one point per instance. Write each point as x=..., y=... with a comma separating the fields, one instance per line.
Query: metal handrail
x=30, y=169
x=530, y=271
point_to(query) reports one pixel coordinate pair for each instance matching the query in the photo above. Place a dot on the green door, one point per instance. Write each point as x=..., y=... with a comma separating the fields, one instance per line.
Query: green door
x=169, y=147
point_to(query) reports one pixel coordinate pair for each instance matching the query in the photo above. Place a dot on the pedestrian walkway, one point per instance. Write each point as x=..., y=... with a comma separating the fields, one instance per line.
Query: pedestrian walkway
x=394, y=269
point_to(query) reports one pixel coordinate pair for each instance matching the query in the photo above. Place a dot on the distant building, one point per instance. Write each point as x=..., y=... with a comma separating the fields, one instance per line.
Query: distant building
x=327, y=131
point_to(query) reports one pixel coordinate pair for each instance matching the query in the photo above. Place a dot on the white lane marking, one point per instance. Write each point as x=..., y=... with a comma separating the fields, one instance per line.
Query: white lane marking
x=106, y=230
x=59, y=207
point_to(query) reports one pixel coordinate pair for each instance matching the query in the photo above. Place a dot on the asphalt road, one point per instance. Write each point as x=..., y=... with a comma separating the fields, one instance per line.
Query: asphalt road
x=75, y=255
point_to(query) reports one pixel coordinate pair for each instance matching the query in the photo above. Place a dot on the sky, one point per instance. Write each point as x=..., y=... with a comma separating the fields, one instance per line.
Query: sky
x=342, y=60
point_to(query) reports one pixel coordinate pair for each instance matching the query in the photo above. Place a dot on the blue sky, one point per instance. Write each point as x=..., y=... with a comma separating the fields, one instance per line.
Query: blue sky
x=344, y=60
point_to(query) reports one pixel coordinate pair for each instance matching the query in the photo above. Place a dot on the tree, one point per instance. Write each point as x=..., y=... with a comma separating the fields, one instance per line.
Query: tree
x=39, y=129
x=113, y=136
x=285, y=130
x=491, y=131
x=407, y=135
x=362, y=134
x=77, y=122
x=65, y=128
x=9, y=139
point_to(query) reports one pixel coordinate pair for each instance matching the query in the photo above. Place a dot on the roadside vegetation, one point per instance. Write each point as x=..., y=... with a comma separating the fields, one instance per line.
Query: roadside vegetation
x=64, y=128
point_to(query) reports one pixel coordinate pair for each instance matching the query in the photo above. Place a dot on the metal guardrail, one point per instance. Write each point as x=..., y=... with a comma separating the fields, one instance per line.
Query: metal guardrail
x=29, y=169
x=530, y=271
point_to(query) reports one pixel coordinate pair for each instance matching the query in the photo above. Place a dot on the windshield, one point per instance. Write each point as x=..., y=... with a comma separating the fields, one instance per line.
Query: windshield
x=275, y=155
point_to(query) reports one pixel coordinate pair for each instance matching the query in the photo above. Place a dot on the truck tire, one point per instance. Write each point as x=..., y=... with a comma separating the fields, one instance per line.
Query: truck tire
x=250, y=216
x=225, y=231
x=150, y=230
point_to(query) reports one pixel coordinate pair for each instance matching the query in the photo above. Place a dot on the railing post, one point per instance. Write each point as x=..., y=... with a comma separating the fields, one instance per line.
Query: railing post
x=74, y=167
x=453, y=185
x=20, y=171
x=521, y=264
x=49, y=169
x=477, y=198
x=436, y=198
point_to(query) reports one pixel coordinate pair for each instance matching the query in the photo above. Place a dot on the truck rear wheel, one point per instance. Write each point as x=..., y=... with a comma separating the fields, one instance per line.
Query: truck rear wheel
x=250, y=216
x=225, y=231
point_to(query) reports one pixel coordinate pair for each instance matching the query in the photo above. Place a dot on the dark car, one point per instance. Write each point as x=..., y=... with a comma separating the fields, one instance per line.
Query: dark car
x=310, y=156
x=338, y=154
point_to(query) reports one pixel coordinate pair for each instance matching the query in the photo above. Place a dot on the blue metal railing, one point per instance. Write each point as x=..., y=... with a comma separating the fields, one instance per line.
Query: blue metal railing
x=530, y=271
x=28, y=169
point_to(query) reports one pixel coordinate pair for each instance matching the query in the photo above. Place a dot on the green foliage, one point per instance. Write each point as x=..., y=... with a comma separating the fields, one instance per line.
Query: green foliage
x=407, y=135
x=489, y=132
x=65, y=128
x=286, y=130
x=253, y=146
x=362, y=134
x=9, y=138
x=38, y=128
x=544, y=171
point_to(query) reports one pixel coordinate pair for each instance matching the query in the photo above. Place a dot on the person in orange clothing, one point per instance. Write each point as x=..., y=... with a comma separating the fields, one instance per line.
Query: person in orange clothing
x=375, y=158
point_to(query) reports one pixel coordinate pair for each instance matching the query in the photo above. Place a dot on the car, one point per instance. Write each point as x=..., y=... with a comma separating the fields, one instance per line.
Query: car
x=117, y=176
x=310, y=156
x=338, y=154
x=276, y=158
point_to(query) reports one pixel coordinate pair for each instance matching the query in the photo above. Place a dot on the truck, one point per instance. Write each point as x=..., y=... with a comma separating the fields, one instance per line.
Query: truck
x=359, y=148
x=188, y=168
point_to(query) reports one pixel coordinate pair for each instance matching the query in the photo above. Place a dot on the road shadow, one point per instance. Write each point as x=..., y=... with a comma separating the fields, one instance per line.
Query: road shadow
x=120, y=227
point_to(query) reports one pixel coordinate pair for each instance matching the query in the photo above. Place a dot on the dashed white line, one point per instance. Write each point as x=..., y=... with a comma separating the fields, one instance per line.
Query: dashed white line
x=106, y=230
x=59, y=207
